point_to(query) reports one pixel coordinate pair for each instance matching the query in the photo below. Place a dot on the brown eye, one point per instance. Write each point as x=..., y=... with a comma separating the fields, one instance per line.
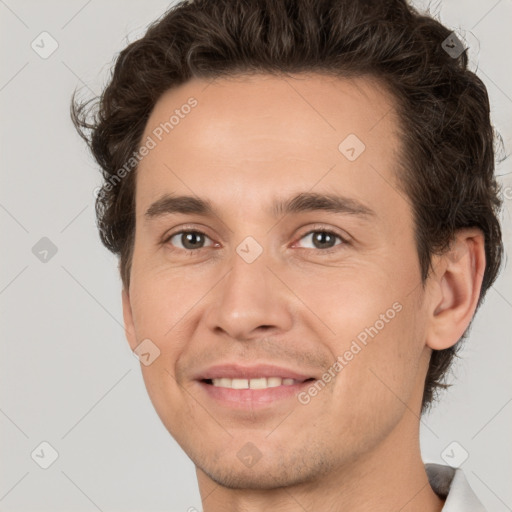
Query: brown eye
x=322, y=239
x=188, y=240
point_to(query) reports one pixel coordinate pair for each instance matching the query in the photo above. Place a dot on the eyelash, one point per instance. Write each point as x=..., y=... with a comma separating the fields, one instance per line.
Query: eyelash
x=315, y=230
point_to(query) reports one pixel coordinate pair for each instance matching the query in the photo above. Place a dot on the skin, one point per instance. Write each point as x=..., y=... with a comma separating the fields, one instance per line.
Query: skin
x=355, y=445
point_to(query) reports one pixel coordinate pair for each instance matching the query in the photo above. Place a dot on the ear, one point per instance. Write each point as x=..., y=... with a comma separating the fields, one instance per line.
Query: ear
x=129, y=328
x=456, y=284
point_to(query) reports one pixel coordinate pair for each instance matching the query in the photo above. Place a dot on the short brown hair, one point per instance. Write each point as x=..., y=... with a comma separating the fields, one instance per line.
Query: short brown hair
x=447, y=169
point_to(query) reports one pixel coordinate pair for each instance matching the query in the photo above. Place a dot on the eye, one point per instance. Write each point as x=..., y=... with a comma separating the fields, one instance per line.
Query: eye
x=188, y=240
x=323, y=239
x=194, y=240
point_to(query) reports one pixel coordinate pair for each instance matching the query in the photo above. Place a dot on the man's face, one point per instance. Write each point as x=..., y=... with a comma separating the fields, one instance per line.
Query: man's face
x=248, y=293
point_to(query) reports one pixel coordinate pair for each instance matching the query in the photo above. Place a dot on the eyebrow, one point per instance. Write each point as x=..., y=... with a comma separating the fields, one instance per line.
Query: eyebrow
x=302, y=202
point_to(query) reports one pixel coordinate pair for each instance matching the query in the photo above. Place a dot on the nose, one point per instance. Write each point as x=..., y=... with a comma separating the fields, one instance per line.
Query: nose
x=250, y=301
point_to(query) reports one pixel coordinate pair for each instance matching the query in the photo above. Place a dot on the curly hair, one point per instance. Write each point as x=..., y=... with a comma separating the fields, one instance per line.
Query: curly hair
x=447, y=167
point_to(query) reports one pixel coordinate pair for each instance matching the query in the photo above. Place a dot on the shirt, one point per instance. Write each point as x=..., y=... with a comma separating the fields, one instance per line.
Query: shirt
x=451, y=484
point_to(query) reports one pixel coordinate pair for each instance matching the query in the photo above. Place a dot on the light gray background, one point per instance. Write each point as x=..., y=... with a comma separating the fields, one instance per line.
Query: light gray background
x=67, y=374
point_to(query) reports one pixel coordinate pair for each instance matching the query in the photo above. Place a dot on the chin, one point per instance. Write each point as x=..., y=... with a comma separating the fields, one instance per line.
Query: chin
x=251, y=478
x=265, y=475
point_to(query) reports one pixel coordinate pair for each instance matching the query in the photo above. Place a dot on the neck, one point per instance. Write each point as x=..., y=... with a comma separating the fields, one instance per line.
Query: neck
x=390, y=477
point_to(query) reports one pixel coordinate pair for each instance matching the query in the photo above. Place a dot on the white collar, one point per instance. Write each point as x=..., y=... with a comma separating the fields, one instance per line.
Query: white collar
x=451, y=483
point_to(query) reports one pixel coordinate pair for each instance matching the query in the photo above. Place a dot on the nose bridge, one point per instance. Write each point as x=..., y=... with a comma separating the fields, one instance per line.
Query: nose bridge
x=249, y=296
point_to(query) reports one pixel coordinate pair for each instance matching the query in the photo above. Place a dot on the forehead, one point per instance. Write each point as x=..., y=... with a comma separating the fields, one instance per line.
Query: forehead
x=231, y=136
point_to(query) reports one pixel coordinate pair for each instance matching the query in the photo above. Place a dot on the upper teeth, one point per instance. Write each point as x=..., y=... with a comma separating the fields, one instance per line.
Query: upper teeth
x=259, y=383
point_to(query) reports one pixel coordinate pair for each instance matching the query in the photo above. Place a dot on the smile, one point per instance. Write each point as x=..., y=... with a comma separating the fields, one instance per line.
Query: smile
x=256, y=383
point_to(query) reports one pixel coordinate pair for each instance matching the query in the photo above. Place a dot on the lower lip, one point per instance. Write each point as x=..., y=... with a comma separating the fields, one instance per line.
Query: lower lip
x=251, y=398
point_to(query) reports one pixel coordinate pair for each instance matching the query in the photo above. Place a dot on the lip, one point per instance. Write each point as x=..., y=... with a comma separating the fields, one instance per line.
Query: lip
x=252, y=399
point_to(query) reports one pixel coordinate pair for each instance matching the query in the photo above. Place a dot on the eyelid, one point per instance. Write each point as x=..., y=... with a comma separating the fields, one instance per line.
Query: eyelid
x=328, y=229
x=345, y=239
x=187, y=229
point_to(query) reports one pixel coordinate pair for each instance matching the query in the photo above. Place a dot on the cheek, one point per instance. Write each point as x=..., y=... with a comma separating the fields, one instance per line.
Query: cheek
x=160, y=309
x=381, y=373
x=378, y=343
x=352, y=301
x=165, y=395
x=163, y=300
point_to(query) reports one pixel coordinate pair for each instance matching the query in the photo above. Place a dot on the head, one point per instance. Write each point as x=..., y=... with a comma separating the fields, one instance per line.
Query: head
x=257, y=111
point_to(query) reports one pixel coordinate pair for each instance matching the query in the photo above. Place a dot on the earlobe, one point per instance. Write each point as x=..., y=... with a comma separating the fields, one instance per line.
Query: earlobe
x=129, y=328
x=457, y=279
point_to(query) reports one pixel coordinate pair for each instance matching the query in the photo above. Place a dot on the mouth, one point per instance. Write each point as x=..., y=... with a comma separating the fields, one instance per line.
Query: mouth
x=242, y=388
x=261, y=386
x=254, y=383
